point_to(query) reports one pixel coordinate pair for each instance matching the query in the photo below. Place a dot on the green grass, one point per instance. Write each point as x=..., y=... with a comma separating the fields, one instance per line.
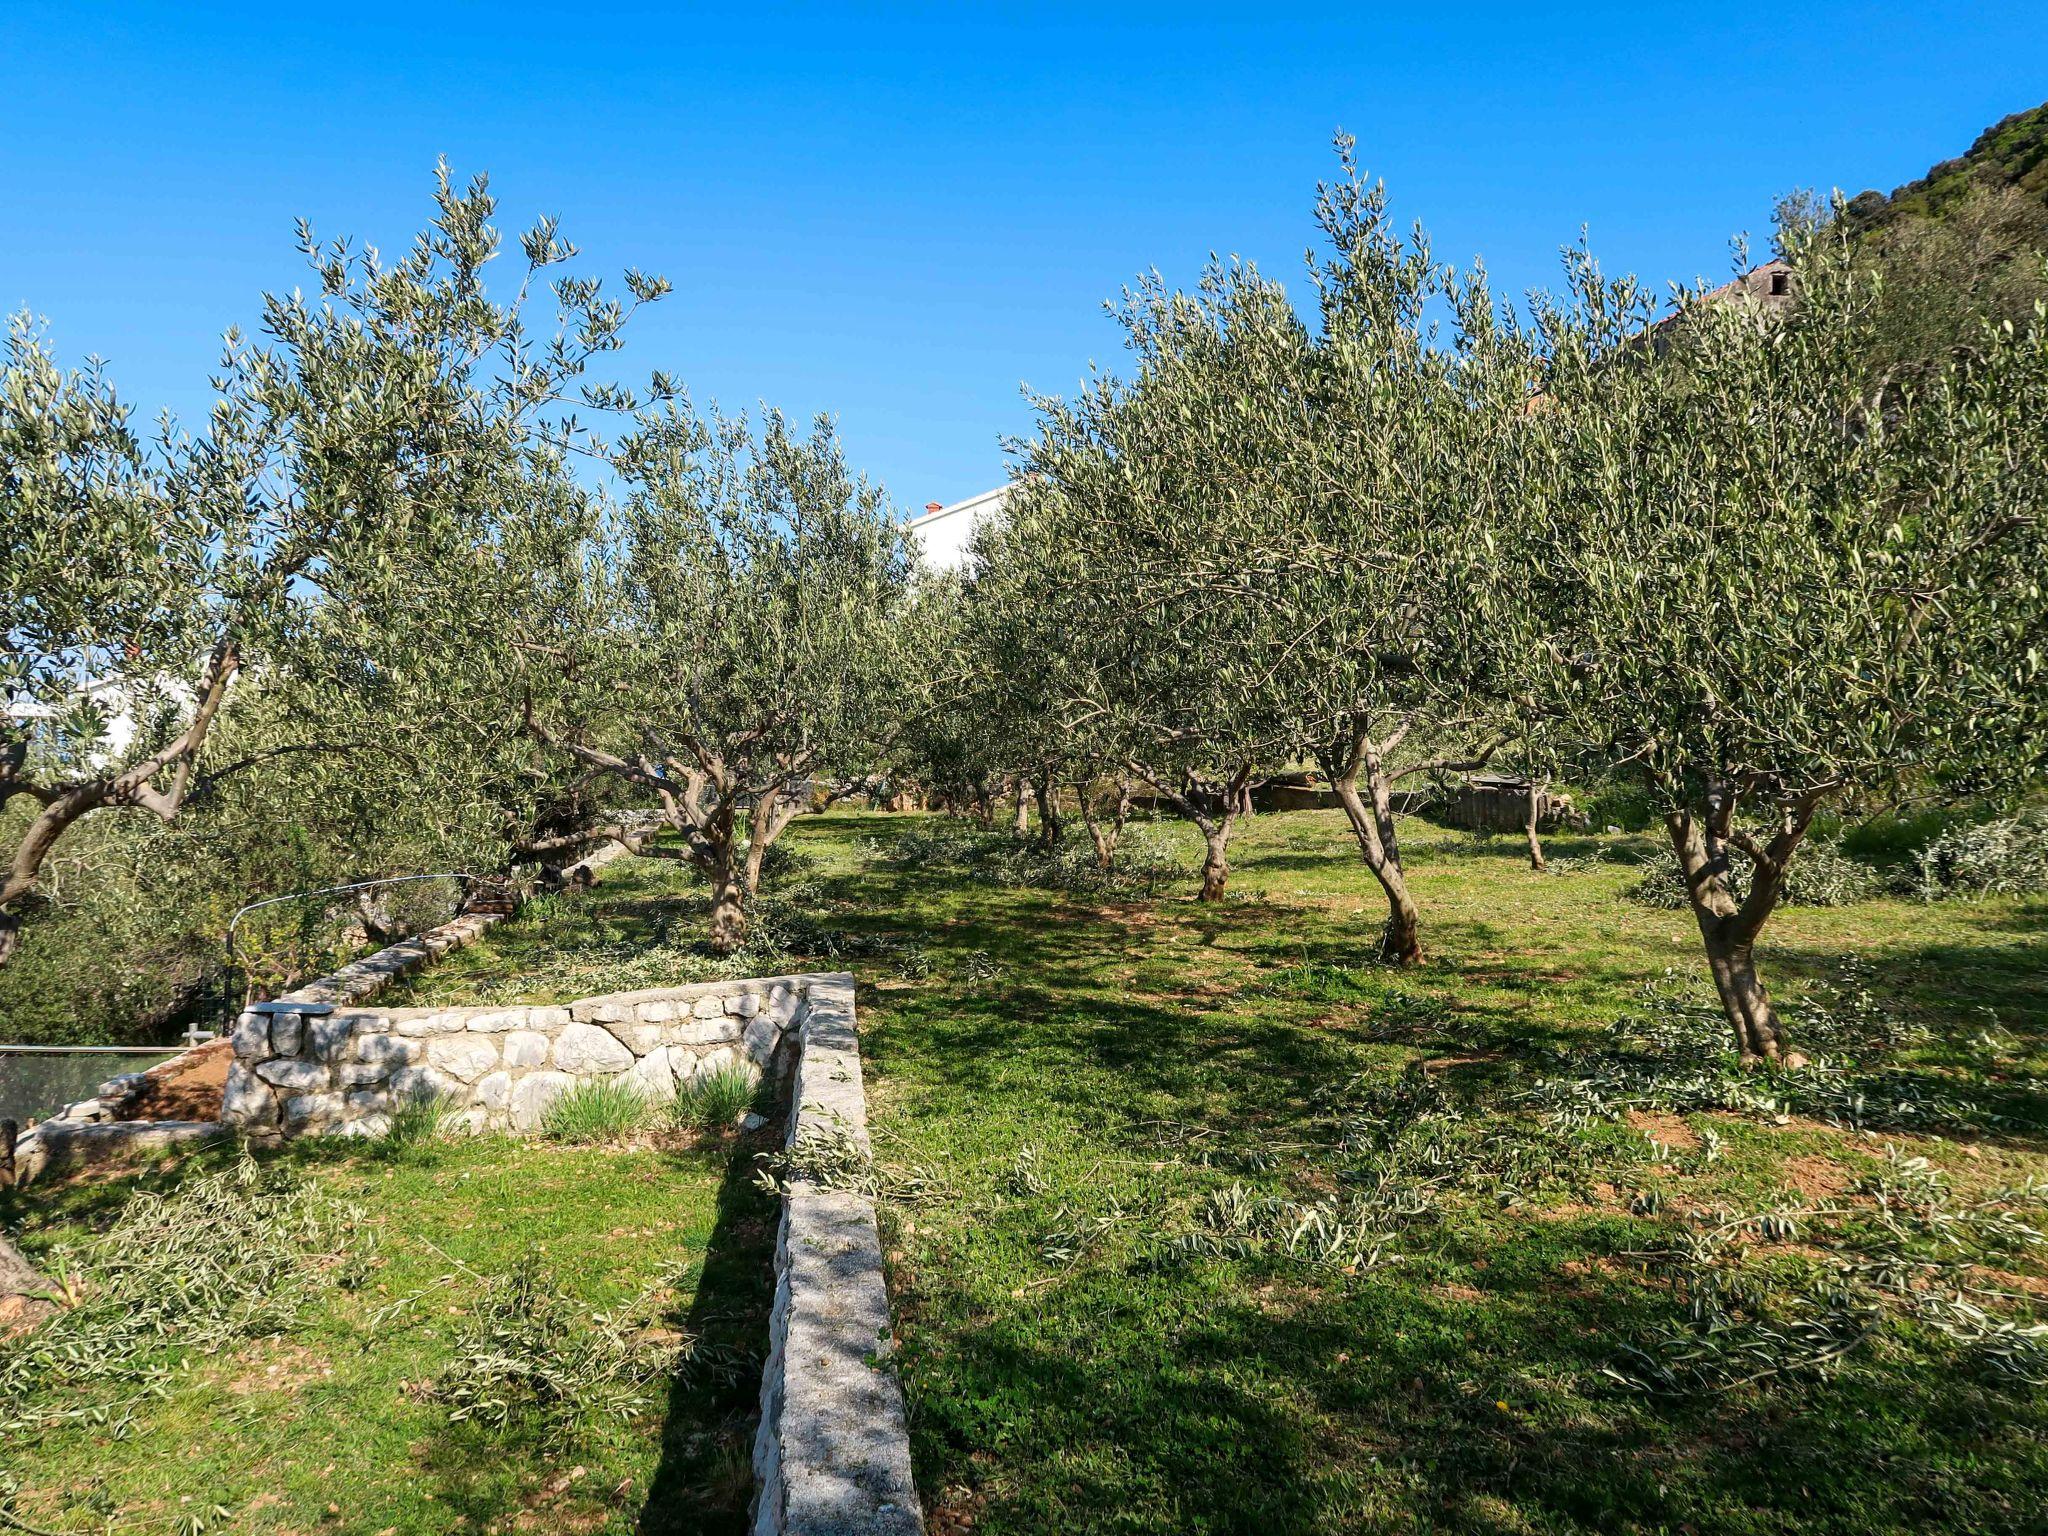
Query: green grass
x=1075, y=1361
x=598, y=1109
x=336, y=1423
x=1199, y=1220
x=716, y=1099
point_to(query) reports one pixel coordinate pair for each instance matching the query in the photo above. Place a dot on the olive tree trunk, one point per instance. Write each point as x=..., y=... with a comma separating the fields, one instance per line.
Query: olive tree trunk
x=1730, y=919
x=1045, y=790
x=1536, y=791
x=1213, y=808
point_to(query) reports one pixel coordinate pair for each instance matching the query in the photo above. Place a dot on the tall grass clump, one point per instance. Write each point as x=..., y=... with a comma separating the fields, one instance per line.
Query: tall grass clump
x=596, y=1110
x=416, y=1122
x=715, y=1100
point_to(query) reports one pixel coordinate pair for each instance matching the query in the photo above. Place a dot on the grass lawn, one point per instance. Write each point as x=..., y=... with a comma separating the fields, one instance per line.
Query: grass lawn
x=336, y=1416
x=1198, y=1220
x=1108, y=1117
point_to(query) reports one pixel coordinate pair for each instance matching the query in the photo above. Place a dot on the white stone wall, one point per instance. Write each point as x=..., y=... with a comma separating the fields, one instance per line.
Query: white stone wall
x=832, y=1453
x=498, y=1067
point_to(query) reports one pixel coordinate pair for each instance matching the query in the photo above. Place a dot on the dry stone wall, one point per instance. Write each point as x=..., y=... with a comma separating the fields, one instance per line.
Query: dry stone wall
x=498, y=1068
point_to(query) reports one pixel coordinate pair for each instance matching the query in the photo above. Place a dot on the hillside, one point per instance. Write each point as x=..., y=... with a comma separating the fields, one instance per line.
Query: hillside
x=2012, y=153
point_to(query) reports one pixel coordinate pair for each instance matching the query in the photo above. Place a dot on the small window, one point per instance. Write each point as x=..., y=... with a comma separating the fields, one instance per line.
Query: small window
x=1781, y=284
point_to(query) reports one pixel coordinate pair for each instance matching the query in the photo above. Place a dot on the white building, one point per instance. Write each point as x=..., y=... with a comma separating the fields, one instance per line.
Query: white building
x=943, y=532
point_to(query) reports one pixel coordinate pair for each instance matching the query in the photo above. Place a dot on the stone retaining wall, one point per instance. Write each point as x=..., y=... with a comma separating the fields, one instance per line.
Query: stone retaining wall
x=832, y=1453
x=497, y=1067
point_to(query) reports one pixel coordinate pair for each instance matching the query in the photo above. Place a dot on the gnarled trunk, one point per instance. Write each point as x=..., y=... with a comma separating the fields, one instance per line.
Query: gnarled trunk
x=1046, y=791
x=1729, y=927
x=1353, y=759
x=1535, y=812
x=24, y=1293
x=1103, y=834
x=1020, y=822
x=728, y=911
x=1215, y=859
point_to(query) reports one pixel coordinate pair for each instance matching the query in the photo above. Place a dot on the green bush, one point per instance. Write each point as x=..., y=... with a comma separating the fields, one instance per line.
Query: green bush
x=1997, y=858
x=1615, y=803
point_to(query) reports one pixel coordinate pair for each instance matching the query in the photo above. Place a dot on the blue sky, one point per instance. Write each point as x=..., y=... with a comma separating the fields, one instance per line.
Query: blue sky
x=901, y=214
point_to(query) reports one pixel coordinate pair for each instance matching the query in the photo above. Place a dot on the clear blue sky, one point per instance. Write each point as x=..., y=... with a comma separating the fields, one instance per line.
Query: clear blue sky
x=901, y=214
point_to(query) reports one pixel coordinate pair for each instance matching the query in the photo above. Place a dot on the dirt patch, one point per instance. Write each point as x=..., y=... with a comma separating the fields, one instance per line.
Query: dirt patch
x=1665, y=1128
x=1814, y=1175
x=186, y=1087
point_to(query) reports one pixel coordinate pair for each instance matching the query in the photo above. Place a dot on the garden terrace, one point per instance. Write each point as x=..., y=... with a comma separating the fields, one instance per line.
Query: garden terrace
x=1196, y=1218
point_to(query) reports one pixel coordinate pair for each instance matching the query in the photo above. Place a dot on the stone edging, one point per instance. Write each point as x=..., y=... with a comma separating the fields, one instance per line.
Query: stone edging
x=832, y=1453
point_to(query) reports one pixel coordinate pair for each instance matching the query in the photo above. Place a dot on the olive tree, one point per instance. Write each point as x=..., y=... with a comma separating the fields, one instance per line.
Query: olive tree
x=1397, y=467
x=1121, y=553
x=140, y=582
x=749, y=647
x=1766, y=585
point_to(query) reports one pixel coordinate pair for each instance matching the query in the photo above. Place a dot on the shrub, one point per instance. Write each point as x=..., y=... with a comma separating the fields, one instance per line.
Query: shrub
x=597, y=1109
x=715, y=1100
x=1996, y=858
x=1821, y=876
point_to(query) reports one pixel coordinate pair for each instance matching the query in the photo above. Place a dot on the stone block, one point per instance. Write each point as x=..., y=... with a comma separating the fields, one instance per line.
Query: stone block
x=761, y=1039
x=532, y=1095
x=637, y=1038
x=251, y=1037
x=247, y=1102
x=418, y=1084
x=388, y=1051
x=546, y=1018
x=464, y=1057
x=326, y=1038
x=313, y=1111
x=526, y=1048
x=496, y=1021
x=429, y=1024
x=368, y=1101
x=660, y=1011
x=711, y=1007
x=293, y=1074
x=718, y=1031
x=743, y=1005
x=287, y=1031
x=363, y=1074
x=588, y=1050
x=600, y=1012
x=662, y=1071
x=494, y=1092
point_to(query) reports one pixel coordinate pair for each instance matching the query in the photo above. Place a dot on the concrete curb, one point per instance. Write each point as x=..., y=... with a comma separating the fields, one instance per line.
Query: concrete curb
x=832, y=1454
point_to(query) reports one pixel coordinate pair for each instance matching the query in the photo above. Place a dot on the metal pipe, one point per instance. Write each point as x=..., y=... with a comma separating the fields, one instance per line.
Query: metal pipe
x=328, y=890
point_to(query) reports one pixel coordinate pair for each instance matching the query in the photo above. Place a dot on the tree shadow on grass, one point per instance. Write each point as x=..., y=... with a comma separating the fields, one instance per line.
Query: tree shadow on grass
x=1124, y=1403
x=704, y=1482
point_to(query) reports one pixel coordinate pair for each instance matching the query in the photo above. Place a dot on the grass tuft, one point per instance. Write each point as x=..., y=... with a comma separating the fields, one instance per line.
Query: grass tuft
x=714, y=1101
x=598, y=1109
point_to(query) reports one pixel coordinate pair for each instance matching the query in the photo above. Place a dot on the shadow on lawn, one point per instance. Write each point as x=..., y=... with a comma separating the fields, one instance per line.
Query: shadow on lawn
x=705, y=1480
x=1387, y=1405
